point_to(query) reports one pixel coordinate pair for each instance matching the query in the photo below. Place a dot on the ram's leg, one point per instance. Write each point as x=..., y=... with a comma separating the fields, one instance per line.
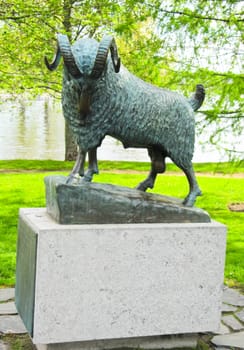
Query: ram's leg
x=157, y=166
x=78, y=166
x=92, y=165
x=194, y=189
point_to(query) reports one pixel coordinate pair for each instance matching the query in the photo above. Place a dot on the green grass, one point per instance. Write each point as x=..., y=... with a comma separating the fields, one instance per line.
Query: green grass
x=56, y=165
x=19, y=190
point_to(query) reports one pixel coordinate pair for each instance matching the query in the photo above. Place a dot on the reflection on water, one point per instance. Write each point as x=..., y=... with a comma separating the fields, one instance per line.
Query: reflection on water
x=31, y=130
x=35, y=130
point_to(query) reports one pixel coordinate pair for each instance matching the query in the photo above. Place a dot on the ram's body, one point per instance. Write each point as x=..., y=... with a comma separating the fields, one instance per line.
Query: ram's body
x=130, y=110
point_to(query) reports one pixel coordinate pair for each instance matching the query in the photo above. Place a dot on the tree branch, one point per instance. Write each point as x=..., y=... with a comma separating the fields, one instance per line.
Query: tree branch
x=225, y=20
x=14, y=18
x=224, y=114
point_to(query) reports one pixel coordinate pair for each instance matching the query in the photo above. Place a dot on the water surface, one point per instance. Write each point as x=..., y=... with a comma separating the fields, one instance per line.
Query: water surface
x=35, y=130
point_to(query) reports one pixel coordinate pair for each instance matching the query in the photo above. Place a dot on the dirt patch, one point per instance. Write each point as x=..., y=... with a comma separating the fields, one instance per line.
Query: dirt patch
x=239, y=207
x=17, y=342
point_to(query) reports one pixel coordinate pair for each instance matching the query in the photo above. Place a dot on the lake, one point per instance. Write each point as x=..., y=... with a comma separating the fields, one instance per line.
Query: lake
x=35, y=130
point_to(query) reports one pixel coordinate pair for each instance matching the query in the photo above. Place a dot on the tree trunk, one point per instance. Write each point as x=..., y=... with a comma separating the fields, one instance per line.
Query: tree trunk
x=70, y=144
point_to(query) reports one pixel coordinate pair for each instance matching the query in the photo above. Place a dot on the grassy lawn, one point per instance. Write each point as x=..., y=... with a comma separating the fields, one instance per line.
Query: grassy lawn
x=19, y=190
x=58, y=165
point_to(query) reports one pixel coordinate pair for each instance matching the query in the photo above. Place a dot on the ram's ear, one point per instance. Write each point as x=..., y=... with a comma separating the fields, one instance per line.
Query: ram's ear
x=106, y=44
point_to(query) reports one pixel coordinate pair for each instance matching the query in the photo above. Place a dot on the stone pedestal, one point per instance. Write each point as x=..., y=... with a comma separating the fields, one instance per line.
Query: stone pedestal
x=185, y=341
x=90, y=284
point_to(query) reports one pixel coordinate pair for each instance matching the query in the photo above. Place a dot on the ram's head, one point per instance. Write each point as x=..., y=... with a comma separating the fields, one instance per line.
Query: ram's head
x=84, y=62
x=86, y=58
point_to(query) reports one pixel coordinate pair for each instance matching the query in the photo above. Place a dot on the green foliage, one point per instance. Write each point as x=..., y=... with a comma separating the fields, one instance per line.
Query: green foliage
x=28, y=33
x=174, y=44
x=204, y=40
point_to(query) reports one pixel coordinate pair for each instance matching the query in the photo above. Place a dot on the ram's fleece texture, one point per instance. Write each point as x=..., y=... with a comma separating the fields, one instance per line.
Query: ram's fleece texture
x=125, y=107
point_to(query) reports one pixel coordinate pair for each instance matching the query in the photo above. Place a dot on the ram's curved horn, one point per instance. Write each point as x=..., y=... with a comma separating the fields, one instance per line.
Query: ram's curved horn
x=68, y=57
x=64, y=49
x=55, y=62
x=106, y=43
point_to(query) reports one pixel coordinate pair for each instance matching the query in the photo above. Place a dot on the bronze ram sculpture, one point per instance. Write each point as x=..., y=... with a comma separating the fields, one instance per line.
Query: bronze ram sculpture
x=101, y=97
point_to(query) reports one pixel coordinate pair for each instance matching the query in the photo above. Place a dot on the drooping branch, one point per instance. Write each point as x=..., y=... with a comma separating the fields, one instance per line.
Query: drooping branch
x=209, y=18
x=224, y=114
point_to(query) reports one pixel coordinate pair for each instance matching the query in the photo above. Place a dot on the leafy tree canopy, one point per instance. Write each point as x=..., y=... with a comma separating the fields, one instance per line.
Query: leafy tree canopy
x=204, y=39
x=175, y=44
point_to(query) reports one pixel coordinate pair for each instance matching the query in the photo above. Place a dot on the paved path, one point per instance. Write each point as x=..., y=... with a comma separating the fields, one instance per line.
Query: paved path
x=229, y=337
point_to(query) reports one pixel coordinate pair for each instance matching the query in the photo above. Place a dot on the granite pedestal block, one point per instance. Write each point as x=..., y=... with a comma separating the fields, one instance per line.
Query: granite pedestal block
x=106, y=282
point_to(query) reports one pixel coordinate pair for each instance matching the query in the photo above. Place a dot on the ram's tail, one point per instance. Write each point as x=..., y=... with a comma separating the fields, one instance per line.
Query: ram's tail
x=197, y=99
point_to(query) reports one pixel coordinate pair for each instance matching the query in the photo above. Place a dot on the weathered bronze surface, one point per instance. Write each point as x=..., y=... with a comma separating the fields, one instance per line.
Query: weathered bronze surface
x=101, y=97
x=94, y=203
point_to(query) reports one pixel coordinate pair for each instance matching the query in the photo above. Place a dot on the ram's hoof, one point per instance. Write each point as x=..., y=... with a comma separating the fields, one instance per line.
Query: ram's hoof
x=143, y=186
x=187, y=203
x=86, y=178
x=190, y=200
x=73, y=179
